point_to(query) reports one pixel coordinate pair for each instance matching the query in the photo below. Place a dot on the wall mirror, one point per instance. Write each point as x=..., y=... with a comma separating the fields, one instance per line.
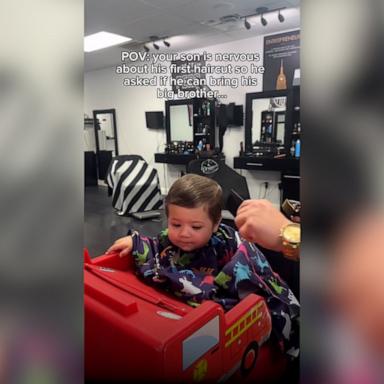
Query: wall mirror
x=179, y=120
x=267, y=119
x=106, y=139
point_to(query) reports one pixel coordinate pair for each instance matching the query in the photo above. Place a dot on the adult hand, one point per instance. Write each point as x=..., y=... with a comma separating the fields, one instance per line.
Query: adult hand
x=260, y=222
x=123, y=246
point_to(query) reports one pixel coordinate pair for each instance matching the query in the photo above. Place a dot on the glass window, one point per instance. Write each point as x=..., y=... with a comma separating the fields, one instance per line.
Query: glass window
x=200, y=342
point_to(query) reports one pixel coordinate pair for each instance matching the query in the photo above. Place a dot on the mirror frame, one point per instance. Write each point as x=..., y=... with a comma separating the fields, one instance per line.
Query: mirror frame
x=168, y=104
x=105, y=111
x=99, y=163
x=248, y=114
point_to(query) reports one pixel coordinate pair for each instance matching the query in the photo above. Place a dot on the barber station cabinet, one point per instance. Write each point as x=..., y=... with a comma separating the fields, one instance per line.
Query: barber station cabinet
x=191, y=130
x=195, y=128
x=272, y=137
x=290, y=180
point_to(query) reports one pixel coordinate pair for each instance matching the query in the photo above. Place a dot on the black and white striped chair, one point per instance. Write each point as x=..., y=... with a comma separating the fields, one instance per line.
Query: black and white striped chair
x=135, y=185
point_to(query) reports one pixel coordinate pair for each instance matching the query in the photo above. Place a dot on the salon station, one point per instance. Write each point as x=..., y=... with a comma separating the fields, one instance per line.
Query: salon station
x=205, y=87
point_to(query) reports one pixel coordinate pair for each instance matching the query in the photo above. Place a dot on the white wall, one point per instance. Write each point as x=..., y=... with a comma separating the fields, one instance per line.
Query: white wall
x=103, y=89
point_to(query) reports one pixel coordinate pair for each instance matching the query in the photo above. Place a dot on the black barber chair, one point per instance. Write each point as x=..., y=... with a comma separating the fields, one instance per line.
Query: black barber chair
x=224, y=175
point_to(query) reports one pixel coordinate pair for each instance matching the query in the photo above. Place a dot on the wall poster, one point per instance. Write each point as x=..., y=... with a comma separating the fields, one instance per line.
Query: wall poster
x=281, y=58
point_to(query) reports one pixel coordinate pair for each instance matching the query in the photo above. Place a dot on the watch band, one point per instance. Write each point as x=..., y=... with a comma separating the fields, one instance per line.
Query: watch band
x=290, y=247
x=291, y=251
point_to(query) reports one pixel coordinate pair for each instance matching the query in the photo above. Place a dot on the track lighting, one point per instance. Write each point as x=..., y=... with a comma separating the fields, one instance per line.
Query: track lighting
x=155, y=41
x=261, y=11
x=263, y=20
x=247, y=25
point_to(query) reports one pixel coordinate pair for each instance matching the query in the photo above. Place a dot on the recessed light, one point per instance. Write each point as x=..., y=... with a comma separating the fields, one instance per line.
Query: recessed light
x=102, y=40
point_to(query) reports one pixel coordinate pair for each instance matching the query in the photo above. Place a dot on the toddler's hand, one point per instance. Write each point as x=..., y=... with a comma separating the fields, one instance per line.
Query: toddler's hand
x=123, y=246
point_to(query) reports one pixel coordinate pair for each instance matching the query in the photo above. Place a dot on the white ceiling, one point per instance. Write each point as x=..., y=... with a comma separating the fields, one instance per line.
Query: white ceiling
x=190, y=24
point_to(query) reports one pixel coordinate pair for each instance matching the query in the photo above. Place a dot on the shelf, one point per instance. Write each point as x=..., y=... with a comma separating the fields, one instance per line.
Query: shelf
x=184, y=159
x=266, y=163
x=173, y=158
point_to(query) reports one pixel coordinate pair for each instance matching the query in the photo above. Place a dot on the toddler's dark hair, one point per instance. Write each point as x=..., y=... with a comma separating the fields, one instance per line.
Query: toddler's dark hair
x=192, y=191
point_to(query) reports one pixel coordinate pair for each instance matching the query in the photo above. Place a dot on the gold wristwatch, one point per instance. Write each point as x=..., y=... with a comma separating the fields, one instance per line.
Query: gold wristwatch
x=290, y=238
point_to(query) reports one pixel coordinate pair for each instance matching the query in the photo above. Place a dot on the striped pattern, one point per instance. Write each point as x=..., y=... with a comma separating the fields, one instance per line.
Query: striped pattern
x=135, y=186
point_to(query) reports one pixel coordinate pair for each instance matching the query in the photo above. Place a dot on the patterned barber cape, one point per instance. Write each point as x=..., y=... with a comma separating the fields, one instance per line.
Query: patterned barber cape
x=225, y=270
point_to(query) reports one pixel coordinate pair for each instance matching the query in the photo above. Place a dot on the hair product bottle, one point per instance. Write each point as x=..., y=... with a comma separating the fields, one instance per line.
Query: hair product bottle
x=297, y=148
x=292, y=150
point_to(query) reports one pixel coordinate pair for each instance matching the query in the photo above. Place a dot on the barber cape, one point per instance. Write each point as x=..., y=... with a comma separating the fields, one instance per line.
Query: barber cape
x=225, y=270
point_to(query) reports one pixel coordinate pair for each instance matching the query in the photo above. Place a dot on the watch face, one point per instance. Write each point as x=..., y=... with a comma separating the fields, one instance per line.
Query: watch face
x=292, y=233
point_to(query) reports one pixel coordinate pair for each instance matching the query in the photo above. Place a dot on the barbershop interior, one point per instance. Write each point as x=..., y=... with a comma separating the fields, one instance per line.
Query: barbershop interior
x=188, y=87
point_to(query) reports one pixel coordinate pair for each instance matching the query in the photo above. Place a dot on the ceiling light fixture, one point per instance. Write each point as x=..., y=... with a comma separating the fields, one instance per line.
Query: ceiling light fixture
x=261, y=11
x=263, y=20
x=102, y=40
x=155, y=42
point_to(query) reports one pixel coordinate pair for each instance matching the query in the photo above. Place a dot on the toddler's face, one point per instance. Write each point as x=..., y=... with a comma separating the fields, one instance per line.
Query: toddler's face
x=189, y=228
